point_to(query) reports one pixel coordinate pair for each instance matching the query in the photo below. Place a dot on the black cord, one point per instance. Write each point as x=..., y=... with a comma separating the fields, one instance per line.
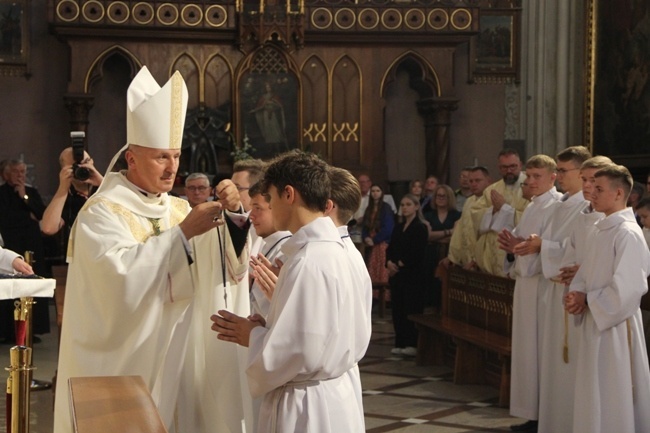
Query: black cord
x=222, y=252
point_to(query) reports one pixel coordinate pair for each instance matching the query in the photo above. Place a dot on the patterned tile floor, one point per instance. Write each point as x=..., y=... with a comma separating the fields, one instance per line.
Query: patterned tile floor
x=398, y=395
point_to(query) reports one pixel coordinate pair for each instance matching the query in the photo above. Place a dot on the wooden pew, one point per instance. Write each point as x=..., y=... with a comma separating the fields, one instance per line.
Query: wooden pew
x=473, y=331
x=113, y=404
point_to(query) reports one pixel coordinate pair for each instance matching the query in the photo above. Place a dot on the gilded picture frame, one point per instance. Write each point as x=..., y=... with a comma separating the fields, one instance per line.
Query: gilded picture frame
x=495, y=51
x=617, y=81
x=14, y=37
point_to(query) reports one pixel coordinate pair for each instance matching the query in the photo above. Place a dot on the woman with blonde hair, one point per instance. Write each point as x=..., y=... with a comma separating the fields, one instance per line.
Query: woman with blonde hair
x=441, y=215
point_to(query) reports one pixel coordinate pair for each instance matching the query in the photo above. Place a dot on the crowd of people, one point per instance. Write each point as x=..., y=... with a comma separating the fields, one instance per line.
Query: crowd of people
x=247, y=305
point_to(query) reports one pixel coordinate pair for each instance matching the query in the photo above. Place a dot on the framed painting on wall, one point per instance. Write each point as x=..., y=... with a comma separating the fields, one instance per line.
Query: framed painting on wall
x=14, y=37
x=617, y=108
x=494, y=52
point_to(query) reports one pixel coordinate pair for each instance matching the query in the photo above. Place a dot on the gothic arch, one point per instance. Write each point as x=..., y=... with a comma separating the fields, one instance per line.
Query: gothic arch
x=96, y=69
x=424, y=78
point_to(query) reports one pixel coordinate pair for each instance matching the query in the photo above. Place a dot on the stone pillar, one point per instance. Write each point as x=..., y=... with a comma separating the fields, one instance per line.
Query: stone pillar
x=437, y=118
x=79, y=105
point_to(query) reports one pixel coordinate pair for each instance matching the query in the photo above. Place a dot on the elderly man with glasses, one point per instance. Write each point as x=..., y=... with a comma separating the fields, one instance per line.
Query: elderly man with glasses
x=197, y=188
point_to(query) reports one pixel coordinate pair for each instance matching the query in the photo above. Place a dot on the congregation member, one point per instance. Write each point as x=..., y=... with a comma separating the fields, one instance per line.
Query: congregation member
x=612, y=383
x=524, y=376
x=441, y=216
x=133, y=258
x=462, y=244
x=416, y=188
x=11, y=262
x=430, y=185
x=556, y=344
x=71, y=194
x=197, y=189
x=636, y=195
x=464, y=191
x=405, y=263
x=643, y=212
x=21, y=210
x=303, y=358
x=500, y=208
x=378, y=223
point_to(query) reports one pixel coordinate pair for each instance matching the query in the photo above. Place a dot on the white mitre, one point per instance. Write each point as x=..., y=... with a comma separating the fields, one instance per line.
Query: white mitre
x=155, y=116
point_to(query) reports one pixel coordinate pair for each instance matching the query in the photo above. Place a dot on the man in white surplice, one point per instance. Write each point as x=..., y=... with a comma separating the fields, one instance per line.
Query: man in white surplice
x=524, y=383
x=303, y=359
x=556, y=341
x=612, y=385
x=131, y=281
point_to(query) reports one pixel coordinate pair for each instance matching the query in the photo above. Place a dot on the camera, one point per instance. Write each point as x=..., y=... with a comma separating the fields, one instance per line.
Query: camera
x=78, y=172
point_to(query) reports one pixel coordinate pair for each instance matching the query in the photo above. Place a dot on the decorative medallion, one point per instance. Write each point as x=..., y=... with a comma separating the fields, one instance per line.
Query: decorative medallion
x=414, y=19
x=216, y=16
x=438, y=19
x=321, y=18
x=67, y=11
x=368, y=19
x=191, y=15
x=142, y=13
x=344, y=18
x=391, y=19
x=461, y=19
x=118, y=12
x=167, y=14
x=93, y=11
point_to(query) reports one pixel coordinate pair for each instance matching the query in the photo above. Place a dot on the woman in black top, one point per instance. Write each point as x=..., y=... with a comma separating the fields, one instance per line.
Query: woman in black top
x=405, y=256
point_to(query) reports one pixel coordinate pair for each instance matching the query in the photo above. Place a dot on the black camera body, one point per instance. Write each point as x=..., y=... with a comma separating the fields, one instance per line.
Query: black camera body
x=78, y=138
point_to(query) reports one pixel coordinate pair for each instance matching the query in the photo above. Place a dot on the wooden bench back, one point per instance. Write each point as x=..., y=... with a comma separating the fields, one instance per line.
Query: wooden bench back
x=479, y=299
x=113, y=404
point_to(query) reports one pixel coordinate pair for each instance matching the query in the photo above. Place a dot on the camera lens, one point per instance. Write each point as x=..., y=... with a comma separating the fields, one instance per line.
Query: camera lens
x=80, y=173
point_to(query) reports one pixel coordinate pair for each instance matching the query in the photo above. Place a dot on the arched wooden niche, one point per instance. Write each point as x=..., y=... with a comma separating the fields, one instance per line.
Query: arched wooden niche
x=268, y=105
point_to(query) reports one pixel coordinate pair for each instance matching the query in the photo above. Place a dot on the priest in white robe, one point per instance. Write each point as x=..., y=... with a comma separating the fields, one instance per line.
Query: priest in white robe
x=612, y=384
x=128, y=308
x=462, y=245
x=499, y=208
x=524, y=383
x=303, y=359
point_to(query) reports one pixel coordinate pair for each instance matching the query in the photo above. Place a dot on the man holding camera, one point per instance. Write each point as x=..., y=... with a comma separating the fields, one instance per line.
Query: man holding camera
x=78, y=180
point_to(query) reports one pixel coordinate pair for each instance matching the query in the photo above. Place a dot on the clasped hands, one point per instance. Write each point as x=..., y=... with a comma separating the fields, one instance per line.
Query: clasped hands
x=233, y=328
x=518, y=245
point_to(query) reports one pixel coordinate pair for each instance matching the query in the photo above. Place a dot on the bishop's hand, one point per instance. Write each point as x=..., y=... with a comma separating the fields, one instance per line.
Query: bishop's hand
x=203, y=217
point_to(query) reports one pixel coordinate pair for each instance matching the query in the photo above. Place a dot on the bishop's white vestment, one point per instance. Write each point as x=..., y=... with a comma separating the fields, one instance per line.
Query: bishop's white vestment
x=612, y=385
x=304, y=361
x=128, y=307
x=557, y=375
x=524, y=383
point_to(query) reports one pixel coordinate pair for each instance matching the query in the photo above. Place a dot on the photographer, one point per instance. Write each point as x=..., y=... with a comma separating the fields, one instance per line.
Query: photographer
x=78, y=180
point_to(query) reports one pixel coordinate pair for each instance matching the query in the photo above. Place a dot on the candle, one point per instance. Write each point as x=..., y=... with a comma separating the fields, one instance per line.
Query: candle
x=302, y=6
x=288, y=7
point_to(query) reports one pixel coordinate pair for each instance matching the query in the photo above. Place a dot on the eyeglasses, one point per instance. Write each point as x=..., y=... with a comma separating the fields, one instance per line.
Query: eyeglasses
x=564, y=171
x=441, y=195
x=242, y=188
x=509, y=167
x=197, y=188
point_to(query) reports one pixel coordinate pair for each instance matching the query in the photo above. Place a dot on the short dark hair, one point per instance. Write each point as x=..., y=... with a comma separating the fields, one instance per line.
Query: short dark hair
x=575, y=154
x=508, y=151
x=346, y=192
x=256, y=189
x=619, y=176
x=305, y=172
x=254, y=168
x=482, y=169
x=643, y=203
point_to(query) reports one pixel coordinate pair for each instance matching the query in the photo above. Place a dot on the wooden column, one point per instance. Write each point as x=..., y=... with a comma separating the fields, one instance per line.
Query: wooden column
x=437, y=118
x=79, y=105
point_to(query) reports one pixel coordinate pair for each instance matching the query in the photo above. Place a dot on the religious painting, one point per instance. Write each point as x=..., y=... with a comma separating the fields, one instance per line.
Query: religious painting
x=14, y=37
x=617, y=86
x=269, y=113
x=494, y=52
